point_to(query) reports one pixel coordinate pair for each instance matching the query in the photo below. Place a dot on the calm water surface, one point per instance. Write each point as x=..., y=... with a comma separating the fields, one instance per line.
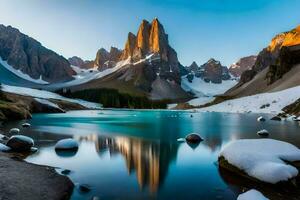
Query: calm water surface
x=135, y=155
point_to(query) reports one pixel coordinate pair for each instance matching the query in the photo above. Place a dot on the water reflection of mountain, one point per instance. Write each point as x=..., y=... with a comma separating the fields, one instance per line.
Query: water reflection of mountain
x=149, y=160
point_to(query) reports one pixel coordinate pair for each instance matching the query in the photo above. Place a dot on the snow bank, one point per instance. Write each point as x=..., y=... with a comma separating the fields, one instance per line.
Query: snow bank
x=47, y=102
x=252, y=195
x=204, y=91
x=200, y=87
x=42, y=94
x=261, y=103
x=265, y=161
x=20, y=74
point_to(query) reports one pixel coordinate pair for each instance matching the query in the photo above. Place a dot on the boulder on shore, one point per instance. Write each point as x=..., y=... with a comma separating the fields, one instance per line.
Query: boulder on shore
x=67, y=144
x=20, y=143
x=14, y=131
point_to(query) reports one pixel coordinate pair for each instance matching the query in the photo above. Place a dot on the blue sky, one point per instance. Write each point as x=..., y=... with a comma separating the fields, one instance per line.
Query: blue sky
x=198, y=29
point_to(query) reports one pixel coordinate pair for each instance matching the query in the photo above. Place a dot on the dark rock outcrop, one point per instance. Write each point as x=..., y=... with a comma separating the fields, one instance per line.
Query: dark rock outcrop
x=214, y=71
x=243, y=64
x=28, y=55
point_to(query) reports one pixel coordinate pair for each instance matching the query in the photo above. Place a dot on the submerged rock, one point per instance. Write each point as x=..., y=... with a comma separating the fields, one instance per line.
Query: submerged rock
x=26, y=125
x=20, y=143
x=276, y=118
x=67, y=144
x=65, y=171
x=261, y=119
x=263, y=132
x=14, y=131
x=84, y=188
x=193, y=138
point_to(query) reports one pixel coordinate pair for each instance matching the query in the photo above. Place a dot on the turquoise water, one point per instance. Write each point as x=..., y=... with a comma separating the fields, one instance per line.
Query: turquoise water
x=135, y=154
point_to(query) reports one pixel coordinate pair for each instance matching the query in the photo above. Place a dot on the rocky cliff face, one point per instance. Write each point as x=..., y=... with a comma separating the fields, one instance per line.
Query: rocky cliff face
x=243, y=64
x=77, y=61
x=28, y=55
x=213, y=71
x=152, y=40
x=105, y=59
x=269, y=55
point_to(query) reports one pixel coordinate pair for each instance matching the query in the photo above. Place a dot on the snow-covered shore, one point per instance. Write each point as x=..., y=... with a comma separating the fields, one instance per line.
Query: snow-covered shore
x=271, y=103
x=42, y=94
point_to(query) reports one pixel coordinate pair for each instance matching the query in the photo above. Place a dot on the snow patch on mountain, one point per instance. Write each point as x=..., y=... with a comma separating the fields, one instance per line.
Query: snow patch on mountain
x=20, y=74
x=204, y=91
x=272, y=102
x=42, y=94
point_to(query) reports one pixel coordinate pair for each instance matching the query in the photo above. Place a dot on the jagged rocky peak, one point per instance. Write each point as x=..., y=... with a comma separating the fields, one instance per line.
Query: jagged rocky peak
x=193, y=67
x=105, y=59
x=79, y=62
x=129, y=46
x=214, y=72
x=76, y=61
x=151, y=39
x=243, y=64
x=29, y=56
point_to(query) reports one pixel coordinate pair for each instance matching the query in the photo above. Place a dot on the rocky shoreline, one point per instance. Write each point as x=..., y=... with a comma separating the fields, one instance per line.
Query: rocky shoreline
x=22, y=180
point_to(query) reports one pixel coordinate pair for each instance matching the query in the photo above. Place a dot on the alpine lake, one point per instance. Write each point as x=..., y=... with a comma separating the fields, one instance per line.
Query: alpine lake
x=134, y=154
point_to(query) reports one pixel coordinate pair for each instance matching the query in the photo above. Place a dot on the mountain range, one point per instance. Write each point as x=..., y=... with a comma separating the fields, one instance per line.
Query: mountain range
x=148, y=67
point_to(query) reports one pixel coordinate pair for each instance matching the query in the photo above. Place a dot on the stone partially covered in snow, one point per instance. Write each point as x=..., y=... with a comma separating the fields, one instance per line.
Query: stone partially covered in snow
x=263, y=132
x=66, y=144
x=262, y=159
x=14, y=131
x=193, y=138
x=26, y=125
x=20, y=143
x=261, y=119
x=252, y=195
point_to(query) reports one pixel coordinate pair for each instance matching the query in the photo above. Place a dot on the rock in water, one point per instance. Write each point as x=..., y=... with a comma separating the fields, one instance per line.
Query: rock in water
x=65, y=171
x=14, y=131
x=261, y=119
x=20, y=143
x=193, y=138
x=276, y=118
x=67, y=144
x=263, y=132
x=84, y=188
x=26, y=125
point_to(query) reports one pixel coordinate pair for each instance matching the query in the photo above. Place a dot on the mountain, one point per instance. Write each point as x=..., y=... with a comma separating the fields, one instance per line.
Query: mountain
x=276, y=67
x=243, y=64
x=77, y=61
x=147, y=66
x=211, y=71
x=23, y=54
x=105, y=59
